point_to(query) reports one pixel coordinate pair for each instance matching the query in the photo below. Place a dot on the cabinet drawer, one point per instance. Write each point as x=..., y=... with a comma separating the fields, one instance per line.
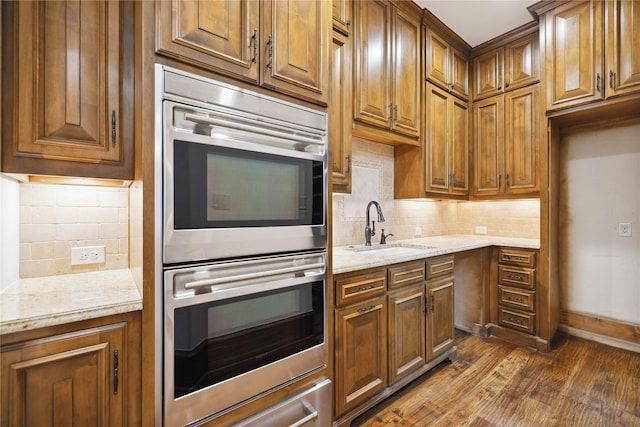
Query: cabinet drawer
x=517, y=298
x=517, y=257
x=518, y=320
x=359, y=287
x=438, y=267
x=406, y=274
x=516, y=276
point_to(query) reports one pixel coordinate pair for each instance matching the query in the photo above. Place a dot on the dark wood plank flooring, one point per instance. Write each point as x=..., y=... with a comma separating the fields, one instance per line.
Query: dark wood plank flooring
x=492, y=383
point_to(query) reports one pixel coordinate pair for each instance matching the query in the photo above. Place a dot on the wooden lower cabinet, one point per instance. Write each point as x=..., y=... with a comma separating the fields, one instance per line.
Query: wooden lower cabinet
x=391, y=326
x=361, y=352
x=74, y=378
x=440, y=318
x=406, y=331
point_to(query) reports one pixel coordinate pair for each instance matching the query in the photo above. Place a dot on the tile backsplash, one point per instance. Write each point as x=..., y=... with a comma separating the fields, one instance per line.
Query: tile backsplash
x=372, y=179
x=54, y=218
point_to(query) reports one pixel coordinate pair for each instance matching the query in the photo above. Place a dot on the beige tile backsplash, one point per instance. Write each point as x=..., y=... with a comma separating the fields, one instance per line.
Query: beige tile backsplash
x=54, y=218
x=406, y=219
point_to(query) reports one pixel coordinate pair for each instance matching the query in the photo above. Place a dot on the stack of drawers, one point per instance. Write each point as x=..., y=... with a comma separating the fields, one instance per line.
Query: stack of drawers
x=517, y=289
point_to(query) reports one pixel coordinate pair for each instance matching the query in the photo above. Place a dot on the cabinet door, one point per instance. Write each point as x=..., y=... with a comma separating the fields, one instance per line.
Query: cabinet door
x=361, y=352
x=66, y=380
x=296, y=38
x=372, y=104
x=522, y=138
x=459, y=74
x=488, y=135
x=488, y=74
x=459, y=146
x=623, y=47
x=342, y=16
x=67, y=102
x=340, y=102
x=573, y=54
x=437, y=137
x=440, y=322
x=406, y=74
x=521, y=62
x=406, y=331
x=437, y=60
x=219, y=35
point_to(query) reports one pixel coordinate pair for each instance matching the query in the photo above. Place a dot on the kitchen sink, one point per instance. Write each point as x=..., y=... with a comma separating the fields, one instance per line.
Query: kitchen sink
x=391, y=250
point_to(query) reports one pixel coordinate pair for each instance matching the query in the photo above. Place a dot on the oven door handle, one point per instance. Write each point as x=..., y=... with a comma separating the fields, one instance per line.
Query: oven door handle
x=249, y=276
x=313, y=414
x=255, y=129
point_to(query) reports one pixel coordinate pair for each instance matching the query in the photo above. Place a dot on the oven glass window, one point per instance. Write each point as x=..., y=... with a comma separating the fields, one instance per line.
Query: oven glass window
x=222, y=339
x=219, y=187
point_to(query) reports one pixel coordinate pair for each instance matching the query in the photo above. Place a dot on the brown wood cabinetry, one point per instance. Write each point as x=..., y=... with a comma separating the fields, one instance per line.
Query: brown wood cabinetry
x=342, y=16
x=80, y=377
x=506, y=139
x=280, y=45
x=446, y=66
x=508, y=67
x=67, y=88
x=440, y=305
x=591, y=53
x=361, y=353
x=387, y=72
x=391, y=326
x=516, y=290
x=447, y=143
x=340, y=105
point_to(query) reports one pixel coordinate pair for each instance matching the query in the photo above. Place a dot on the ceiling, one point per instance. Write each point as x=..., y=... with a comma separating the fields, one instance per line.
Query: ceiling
x=477, y=21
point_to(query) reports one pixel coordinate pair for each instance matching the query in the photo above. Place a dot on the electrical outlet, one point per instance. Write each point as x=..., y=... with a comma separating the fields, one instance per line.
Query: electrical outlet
x=481, y=229
x=624, y=229
x=87, y=255
x=417, y=232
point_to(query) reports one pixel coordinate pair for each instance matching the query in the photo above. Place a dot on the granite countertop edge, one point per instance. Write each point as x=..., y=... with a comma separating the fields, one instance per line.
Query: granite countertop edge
x=346, y=259
x=55, y=300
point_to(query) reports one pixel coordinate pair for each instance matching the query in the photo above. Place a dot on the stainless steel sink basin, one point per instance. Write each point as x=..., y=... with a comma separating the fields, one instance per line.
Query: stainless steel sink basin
x=390, y=250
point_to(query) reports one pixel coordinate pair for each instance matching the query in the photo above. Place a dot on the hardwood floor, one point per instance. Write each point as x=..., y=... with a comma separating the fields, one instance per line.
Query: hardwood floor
x=493, y=383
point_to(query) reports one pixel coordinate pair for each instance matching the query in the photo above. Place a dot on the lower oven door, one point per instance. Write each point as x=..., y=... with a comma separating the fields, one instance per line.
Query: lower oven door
x=234, y=330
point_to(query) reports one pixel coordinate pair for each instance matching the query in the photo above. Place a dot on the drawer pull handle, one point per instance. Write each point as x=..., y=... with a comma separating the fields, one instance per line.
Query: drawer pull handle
x=514, y=320
x=520, y=300
x=365, y=309
x=512, y=277
x=365, y=288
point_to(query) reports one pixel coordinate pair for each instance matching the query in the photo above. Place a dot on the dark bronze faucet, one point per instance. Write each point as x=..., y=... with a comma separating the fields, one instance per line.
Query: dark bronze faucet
x=371, y=231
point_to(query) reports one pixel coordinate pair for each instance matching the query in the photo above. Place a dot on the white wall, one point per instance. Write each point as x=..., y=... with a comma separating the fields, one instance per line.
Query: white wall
x=9, y=226
x=600, y=188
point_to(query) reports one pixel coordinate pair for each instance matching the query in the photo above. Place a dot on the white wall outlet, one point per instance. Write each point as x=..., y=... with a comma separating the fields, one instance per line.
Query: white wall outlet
x=417, y=232
x=624, y=229
x=87, y=255
x=481, y=229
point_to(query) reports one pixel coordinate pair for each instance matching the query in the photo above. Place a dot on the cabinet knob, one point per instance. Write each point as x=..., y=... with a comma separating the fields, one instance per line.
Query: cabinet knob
x=506, y=85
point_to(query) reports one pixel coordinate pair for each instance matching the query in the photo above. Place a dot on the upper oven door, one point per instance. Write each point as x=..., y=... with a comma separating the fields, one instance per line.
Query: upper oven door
x=235, y=185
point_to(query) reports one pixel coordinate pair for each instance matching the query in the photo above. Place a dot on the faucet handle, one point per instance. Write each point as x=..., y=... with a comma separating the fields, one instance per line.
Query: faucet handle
x=383, y=237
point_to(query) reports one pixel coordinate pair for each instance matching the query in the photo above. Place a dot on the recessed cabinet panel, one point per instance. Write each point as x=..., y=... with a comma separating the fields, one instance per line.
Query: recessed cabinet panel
x=574, y=54
x=623, y=47
x=521, y=62
x=489, y=145
x=437, y=139
x=488, y=72
x=406, y=331
x=340, y=103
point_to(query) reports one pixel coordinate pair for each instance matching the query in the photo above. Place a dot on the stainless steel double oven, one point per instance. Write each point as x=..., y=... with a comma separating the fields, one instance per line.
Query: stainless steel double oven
x=242, y=283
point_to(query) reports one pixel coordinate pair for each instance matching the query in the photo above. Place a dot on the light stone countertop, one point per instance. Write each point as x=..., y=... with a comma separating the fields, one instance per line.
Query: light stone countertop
x=346, y=259
x=54, y=300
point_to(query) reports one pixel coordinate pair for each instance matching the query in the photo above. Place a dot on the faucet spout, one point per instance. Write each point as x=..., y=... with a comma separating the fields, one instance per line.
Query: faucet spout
x=368, y=230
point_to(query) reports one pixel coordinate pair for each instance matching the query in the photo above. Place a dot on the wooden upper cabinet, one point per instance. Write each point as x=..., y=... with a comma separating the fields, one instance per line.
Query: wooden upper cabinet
x=342, y=16
x=68, y=91
x=340, y=113
x=445, y=66
x=573, y=54
x=507, y=137
x=447, y=136
x=219, y=35
x=387, y=70
x=295, y=37
x=508, y=67
x=623, y=47
x=281, y=45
